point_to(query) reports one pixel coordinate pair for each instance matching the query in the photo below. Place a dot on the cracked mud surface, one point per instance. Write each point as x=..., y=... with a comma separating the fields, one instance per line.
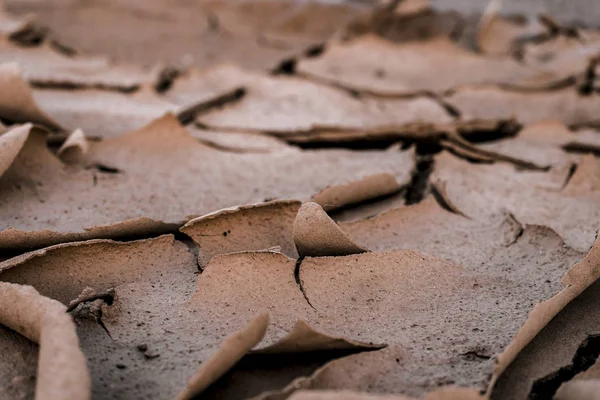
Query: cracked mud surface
x=305, y=200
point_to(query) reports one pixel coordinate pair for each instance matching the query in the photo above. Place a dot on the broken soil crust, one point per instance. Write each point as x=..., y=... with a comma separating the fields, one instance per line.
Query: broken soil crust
x=567, y=204
x=506, y=233
x=487, y=102
x=569, y=334
x=339, y=309
x=61, y=370
x=287, y=105
x=45, y=67
x=548, y=143
x=147, y=334
x=245, y=228
x=99, y=113
x=50, y=212
x=482, y=201
x=502, y=242
x=256, y=34
x=408, y=68
x=139, y=311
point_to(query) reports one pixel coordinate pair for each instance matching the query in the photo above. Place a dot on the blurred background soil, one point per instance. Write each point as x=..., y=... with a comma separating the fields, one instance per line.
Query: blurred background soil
x=168, y=31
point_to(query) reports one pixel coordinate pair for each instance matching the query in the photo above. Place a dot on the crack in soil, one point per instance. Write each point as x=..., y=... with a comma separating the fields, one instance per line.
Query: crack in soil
x=586, y=355
x=299, y=281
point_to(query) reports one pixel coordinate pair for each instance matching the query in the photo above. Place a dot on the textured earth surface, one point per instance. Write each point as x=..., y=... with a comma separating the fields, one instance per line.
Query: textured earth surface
x=307, y=200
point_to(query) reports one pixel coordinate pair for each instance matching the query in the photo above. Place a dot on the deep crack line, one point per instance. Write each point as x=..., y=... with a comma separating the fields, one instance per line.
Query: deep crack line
x=188, y=114
x=438, y=192
x=299, y=281
x=166, y=79
x=586, y=355
x=572, y=170
x=101, y=323
x=419, y=184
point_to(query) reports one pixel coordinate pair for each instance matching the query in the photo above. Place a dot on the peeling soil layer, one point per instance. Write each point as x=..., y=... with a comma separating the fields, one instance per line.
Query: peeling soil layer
x=297, y=199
